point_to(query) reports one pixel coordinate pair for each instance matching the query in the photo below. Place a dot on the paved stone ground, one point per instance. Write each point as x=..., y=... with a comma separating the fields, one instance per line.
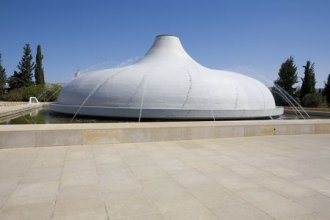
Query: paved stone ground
x=275, y=177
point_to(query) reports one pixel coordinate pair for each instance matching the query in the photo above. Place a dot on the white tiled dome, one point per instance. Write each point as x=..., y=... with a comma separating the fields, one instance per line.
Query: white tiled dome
x=166, y=83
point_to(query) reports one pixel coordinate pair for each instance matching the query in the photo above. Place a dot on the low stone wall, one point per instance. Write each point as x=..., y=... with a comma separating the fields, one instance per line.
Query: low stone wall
x=11, y=104
x=311, y=111
x=108, y=133
x=8, y=109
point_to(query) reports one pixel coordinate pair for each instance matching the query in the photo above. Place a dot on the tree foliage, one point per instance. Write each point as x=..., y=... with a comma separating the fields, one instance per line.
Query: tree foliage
x=3, y=77
x=44, y=93
x=15, y=81
x=308, y=82
x=23, y=78
x=327, y=90
x=39, y=70
x=312, y=100
x=288, y=77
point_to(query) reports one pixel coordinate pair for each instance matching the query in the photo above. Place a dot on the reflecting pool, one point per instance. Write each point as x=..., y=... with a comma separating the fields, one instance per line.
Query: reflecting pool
x=46, y=116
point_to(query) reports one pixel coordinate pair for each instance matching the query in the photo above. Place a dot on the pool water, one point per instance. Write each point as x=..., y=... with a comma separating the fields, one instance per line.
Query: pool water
x=46, y=116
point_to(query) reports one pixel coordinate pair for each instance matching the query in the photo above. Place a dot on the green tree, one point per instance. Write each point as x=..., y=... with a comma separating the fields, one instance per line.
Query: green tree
x=288, y=77
x=3, y=77
x=327, y=90
x=23, y=78
x=15, y=81
x=39, y=70
x=308, y=82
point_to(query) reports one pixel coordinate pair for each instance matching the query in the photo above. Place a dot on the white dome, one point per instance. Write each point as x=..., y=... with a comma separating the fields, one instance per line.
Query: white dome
x=166, y=83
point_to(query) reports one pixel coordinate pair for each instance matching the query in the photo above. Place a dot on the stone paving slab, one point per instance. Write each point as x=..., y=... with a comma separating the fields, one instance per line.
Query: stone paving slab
x=263, y=177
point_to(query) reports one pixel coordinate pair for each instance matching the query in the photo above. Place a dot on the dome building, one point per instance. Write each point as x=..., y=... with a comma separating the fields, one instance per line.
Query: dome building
x=167, y=84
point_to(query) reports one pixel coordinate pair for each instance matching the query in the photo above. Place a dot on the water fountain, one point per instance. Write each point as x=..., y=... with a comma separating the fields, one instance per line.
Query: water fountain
x=166, y=84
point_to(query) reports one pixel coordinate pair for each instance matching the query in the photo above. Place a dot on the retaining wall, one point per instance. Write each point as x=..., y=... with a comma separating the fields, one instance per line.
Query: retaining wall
x=108, y=133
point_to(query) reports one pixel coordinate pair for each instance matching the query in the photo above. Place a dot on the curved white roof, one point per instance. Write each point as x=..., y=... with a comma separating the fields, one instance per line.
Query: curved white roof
x=166, y=83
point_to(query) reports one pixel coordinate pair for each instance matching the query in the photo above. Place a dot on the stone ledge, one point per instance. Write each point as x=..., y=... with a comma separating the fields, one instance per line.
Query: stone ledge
x=18, y=108
x=12, y=136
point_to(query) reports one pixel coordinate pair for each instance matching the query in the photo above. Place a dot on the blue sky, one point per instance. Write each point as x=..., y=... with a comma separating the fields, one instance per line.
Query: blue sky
x=252, y=37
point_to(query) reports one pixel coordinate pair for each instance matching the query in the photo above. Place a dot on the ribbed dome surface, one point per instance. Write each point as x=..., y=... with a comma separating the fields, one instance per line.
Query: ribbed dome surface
x=166, y=83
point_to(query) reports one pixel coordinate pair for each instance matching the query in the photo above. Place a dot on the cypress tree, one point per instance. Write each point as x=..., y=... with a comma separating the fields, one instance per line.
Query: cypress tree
x=327, y=90
x=3, y=77
x=39, y=70
x=308, y=82
x=288, y=77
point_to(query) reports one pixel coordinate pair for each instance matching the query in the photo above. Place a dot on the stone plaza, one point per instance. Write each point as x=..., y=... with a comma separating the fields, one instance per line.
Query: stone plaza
x=262, y=177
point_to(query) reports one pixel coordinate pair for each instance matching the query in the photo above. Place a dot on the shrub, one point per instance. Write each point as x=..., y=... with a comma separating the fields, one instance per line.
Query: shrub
x=50, y=93
x=47, y=93
x=312, y=100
